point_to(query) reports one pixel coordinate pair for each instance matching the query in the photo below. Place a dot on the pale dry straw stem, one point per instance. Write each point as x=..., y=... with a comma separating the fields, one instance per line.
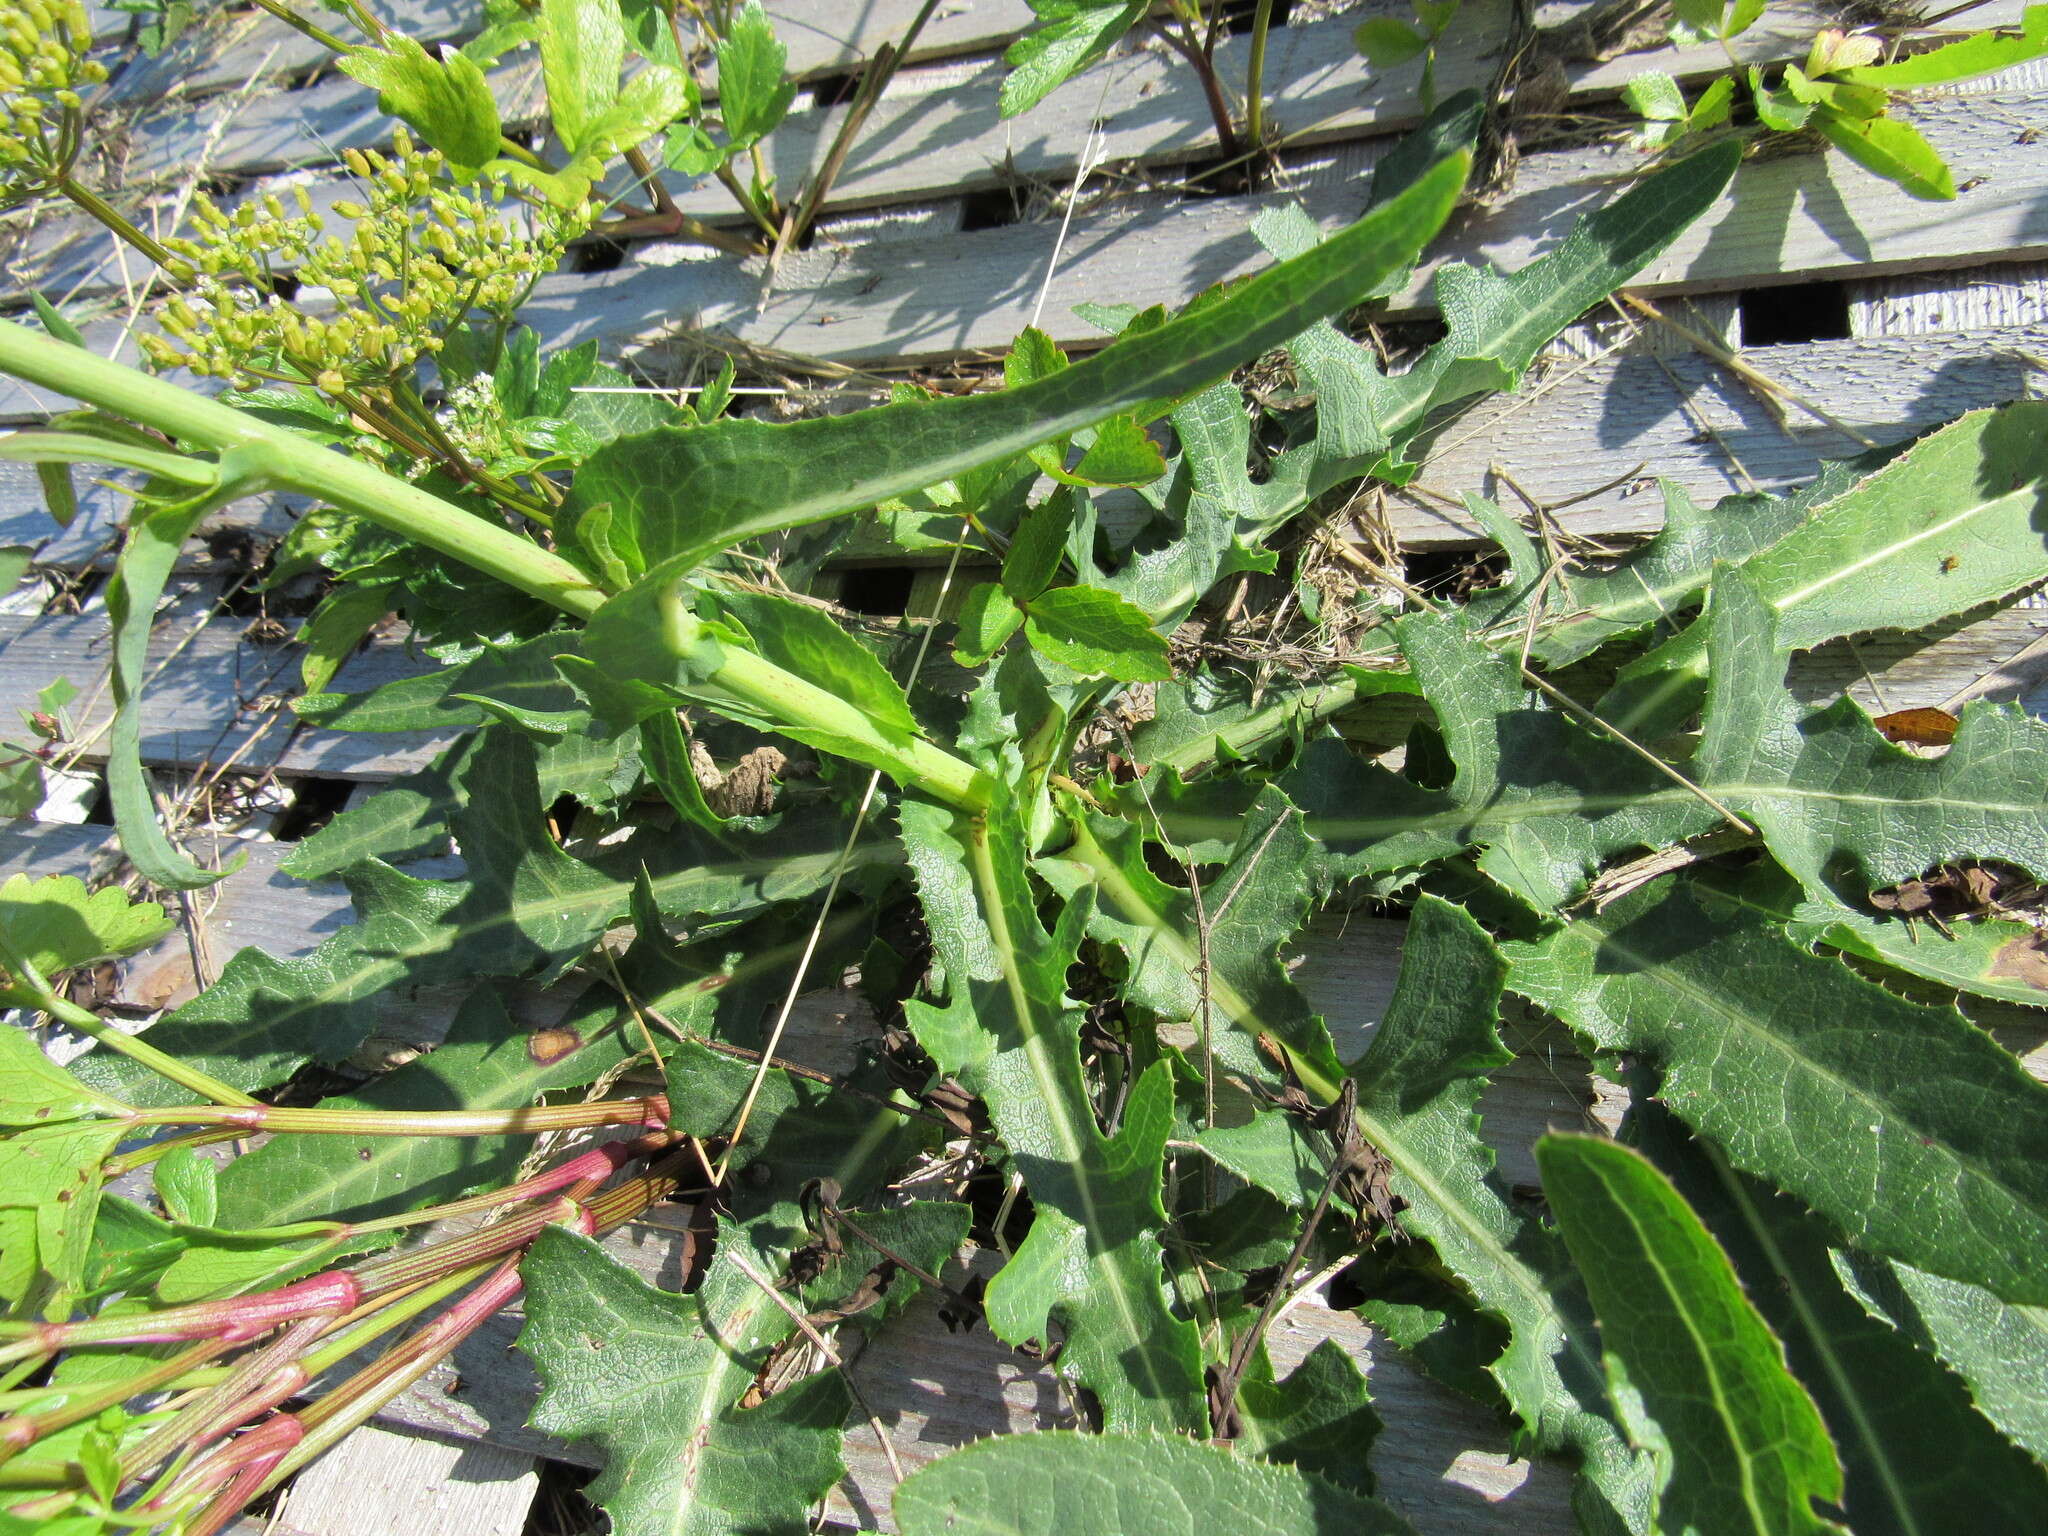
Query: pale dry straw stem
x=1767, y=389
x=823, y=1346
x=1688, y=409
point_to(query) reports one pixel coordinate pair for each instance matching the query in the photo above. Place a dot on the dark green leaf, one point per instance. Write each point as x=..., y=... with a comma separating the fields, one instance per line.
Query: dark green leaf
x=1387, y=42
x=1916, y=1455
x=1748, y=1449
x=1009, y=1031
x=987, y=619
x=1070, y=35
x=700, y=490
x=654, y=1381
x=1037, y=546
x=1914, y=1132
x=1057, y=1483
x=1097, y=633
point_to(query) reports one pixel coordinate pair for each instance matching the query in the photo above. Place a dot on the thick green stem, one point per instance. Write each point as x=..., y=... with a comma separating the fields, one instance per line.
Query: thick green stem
x=298, y=23
x=429, y=1122
x=104, y=211
x=138, y=1050
x=1255, y=79
x=267, y=455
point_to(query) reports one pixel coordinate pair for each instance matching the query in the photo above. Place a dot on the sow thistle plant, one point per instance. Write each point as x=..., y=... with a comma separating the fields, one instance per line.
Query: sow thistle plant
x=1830, y=1198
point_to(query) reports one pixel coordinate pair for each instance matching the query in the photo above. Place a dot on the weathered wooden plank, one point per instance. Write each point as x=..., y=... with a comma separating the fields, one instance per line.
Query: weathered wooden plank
x=2007, y=295
x=39, y=848
x=220, y=696
x=1795, y=218
x=1582, y=424
x=384, y=1480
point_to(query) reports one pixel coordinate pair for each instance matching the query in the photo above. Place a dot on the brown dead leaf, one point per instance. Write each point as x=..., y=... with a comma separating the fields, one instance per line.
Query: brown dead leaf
x=2024, y=959
x=1921, y=727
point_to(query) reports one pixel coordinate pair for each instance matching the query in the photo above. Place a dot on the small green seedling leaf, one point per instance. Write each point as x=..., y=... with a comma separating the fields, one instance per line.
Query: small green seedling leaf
x=1071, y=35
x=753, y=96
x=1891, y=149
x=1983, y=54
x=446, y=99
x=1655, y=96
x=55, y=925
x=1099, y=633
x=187, y=1182
x=1036, y=548
x=582, y=46
x=1388, y=43
x=987, y=619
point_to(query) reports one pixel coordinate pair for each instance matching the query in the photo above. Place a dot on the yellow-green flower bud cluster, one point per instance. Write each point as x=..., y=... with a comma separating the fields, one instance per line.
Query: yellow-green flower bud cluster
x=419, y=254
x=43, y=67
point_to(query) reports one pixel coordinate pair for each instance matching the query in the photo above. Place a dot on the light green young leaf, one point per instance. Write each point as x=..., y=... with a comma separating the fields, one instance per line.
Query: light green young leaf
x=811, y=643
x=1889, y=148
x=1982, y=54
x=337, y=627
x=1911, y=1130
x=1656, y=96
x=1070, y=35
x=56, y=925
x=1121, y=455
x=1057, y=1483
x=582, y=46
x=702, y=489
x=34, y=1090
x=1010, y=1033
x=188, y=1184
x=987, y=619
x=654, y=1380
x=1916, y=1456
x=1748, y=1449
x=1957, y=519
x=1097, y=633
x=1388, y=43
x=446, y=100
x=646, y=105
x=753, y=96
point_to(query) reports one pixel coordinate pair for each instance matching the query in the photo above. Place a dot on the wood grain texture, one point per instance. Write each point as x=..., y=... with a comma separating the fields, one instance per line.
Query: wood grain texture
x=380, y=1481
x=1577, y=424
